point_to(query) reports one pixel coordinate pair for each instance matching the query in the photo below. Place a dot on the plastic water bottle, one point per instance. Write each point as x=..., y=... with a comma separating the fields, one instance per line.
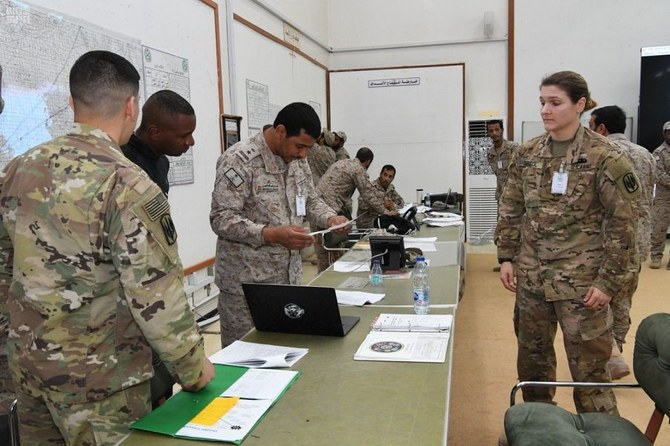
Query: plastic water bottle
x=421, y=286
x=376, y=273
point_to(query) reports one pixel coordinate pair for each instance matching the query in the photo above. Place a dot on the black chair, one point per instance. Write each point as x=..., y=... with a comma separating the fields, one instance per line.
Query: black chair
x=532, y=424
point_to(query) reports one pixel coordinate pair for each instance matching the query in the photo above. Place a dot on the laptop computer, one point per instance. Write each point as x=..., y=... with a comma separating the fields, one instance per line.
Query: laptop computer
x=296, y=309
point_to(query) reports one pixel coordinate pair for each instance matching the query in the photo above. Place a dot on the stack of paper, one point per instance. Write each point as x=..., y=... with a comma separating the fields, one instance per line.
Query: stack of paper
x=249, y=354
x=442, y=219
x=226, y=410
x=407, y=338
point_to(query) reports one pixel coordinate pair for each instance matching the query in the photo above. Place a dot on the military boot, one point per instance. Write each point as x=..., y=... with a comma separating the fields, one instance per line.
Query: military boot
x=655, y=264
x=668, y=265
x=616, y=365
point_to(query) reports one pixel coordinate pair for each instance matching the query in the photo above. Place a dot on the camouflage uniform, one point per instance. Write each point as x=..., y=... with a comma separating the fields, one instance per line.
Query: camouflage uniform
x=256, y=188
x=91, y=279
x=342, y=154
x=320, y=158
x=336, y=188
x=645, y=166
x=365, y=220
x=499, y=158
x=562, y=245
x=661, y=212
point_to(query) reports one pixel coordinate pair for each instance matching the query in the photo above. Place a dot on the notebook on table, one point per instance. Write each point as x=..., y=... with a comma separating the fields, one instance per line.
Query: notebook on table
x=296, y=309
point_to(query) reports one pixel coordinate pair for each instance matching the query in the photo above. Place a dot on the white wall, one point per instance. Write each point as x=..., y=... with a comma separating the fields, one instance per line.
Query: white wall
x=160, y=24
x=601, y=40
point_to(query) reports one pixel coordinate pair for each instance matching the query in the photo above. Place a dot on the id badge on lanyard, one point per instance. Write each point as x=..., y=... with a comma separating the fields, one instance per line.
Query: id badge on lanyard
x=559, y=183
x=300, y=205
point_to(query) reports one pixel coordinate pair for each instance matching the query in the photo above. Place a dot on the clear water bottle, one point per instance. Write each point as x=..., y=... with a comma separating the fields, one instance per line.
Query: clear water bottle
x=421, y=286
x=376, y=272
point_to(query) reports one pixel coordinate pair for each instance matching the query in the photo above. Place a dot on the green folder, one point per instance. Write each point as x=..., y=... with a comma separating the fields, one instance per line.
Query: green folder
x=176, y=412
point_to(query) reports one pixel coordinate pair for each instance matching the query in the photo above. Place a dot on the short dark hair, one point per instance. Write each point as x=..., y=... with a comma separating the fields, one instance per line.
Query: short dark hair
x=164, y=103
x=612, y=116
x=102, y=81
x=495, y=121
x=365, y=154
x=299, y=116
x=387, y=167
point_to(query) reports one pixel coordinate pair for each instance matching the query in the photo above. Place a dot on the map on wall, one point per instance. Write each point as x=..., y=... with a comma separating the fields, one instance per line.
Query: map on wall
x=37, y=49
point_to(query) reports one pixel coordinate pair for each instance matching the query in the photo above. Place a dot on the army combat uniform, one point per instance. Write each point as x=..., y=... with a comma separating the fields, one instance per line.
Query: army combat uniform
x=499, y=158
x=563, y=242
x=367, y=215
x=661, y=212
x=91, y=279
x=255, y=188
x=644, y=165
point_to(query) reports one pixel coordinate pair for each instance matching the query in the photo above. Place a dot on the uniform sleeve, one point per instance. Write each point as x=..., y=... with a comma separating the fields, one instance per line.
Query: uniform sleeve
x=318, y=212
x=232, y=188
x=511, y=210
x=618, y=188
x=143, y=242
x=367, y=191
x=491, y=158
x=6, y=265
x=395, y=197
x=663, y=167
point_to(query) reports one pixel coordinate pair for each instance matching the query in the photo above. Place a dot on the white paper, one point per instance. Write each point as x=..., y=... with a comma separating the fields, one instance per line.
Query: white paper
x=250, y=354
x=358, y=298
x=233, y=426
x=413, y=322
x=351, y=267
x=261, y=384
x=420, y=240
x=403, y=346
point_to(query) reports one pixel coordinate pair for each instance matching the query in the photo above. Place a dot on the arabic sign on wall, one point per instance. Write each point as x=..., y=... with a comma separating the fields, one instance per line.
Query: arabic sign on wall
x=397, y=82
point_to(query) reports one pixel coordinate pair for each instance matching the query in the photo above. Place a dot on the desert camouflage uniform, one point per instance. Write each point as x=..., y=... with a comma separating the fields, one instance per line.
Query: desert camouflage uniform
x=562, y=245
x=320, y=158
x=645, y=166
x=91, y=279
x=336, y=188
x=342, y=154
x=499, y=159
x=255, y=188
x=365, y=221
x=661, y=212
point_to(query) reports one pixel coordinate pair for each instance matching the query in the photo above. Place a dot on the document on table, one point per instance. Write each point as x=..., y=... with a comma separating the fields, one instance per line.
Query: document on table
x=425, y=244
x=443, y=219
x=358, y=298
x=413, y=322
x=250, y=354
x=403, y=346
x=227, y=409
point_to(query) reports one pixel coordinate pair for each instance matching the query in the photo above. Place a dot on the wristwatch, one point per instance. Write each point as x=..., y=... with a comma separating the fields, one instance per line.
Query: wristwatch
x=502, y=260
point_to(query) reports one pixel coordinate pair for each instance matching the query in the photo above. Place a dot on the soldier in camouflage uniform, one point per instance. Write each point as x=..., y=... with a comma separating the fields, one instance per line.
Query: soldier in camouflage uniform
x=565, y=237
x=320, y=157
x=661, y=213
x=336, y=142
x=385, y=191
x=500, y=154
x=262, y=195
x=89, y=272
x=610, y=122
x=338, y=185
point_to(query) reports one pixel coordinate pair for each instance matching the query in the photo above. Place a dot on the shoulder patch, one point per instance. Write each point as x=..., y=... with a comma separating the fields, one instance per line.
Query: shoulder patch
x=156, y=207
x=620, y=171
x=234, y=177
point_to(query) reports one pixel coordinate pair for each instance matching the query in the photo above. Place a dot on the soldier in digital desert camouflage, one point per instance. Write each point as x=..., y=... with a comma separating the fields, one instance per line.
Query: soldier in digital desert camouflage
x=89, y=272
x=262, y=197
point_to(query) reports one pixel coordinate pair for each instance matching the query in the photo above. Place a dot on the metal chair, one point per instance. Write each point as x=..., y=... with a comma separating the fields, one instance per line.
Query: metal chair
x=530, y=424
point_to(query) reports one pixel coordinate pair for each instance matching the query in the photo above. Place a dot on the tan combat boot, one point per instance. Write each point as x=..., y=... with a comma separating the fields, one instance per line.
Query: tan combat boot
x=655, y=264
x=616, y=365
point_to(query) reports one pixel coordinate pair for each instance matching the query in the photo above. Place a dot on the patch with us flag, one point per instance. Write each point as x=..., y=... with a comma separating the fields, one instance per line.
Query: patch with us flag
x=157, y=207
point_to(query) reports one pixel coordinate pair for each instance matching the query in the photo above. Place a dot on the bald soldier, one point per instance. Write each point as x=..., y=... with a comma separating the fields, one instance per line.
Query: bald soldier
x=262, y=196
x=166, y=129
x=89, y=272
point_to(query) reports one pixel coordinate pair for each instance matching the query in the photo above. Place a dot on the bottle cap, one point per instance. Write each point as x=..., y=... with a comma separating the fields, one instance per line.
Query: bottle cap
x=420, y=259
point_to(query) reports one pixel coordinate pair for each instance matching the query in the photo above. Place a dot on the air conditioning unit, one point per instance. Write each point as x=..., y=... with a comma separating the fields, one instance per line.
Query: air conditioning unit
x=480, y=183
